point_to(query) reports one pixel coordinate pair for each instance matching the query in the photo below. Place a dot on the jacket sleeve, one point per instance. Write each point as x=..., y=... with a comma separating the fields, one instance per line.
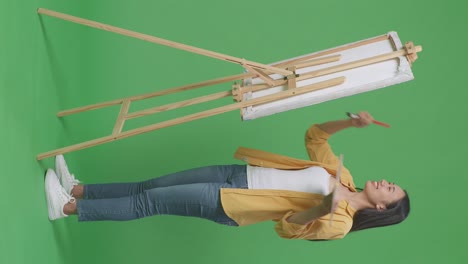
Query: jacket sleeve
x=319, y=229
x=318, y=148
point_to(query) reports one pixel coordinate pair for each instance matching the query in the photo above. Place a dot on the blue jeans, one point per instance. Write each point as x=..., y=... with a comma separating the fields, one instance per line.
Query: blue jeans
x=194, y=193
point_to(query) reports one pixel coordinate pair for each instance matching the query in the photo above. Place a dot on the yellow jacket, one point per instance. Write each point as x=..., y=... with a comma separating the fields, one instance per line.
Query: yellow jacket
x=247, y=206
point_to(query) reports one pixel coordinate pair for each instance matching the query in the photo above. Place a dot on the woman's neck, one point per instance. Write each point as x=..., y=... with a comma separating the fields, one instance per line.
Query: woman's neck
x=357, y=200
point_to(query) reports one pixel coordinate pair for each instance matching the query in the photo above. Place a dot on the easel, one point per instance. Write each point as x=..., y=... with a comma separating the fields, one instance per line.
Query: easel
x=286, y=69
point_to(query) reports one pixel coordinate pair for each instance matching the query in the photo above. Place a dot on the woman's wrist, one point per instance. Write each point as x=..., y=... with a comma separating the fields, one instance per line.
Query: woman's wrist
x=350, y=122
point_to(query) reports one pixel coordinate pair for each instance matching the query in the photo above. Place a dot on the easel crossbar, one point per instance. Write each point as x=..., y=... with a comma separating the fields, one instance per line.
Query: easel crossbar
x=331, y=51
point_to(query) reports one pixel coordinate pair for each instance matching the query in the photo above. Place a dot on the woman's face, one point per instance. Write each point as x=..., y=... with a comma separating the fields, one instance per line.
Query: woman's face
x=382, y=193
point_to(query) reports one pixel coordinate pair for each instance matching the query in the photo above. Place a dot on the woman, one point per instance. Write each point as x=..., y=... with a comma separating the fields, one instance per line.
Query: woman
x=298, y=194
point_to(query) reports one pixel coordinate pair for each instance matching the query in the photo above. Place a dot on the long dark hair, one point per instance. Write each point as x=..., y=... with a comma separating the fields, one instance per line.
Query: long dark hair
x=370, y=217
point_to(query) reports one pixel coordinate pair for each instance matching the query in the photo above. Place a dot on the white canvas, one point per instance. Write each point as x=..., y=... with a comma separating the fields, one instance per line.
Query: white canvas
x=358, y=80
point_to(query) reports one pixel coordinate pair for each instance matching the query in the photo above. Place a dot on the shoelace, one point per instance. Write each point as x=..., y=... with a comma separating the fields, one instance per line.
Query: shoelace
x=65, y=196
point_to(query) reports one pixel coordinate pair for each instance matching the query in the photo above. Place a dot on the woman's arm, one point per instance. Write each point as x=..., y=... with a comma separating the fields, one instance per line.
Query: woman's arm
x=307, y=216
x=332, y=127
x=328, y=205
x=319, y=150
x=316, y=138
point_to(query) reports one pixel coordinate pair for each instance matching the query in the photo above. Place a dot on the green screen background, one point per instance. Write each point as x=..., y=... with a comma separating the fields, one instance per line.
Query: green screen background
x=49, y=65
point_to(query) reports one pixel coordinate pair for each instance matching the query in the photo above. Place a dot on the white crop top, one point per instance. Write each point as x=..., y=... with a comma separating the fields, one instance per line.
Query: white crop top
x=312, y=180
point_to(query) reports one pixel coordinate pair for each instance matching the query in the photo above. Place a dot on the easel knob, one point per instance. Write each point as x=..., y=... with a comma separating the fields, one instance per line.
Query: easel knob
x=412, y=51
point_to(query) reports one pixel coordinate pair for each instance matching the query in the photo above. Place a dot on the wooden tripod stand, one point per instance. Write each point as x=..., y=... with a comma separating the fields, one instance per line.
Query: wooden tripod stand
x=284, y=74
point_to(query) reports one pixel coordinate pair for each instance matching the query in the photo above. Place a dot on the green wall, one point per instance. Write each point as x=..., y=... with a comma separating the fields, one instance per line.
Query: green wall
x=47, y=65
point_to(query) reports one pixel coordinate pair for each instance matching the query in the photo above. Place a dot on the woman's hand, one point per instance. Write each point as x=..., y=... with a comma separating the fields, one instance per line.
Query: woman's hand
x=327, y=206
x=364, y=120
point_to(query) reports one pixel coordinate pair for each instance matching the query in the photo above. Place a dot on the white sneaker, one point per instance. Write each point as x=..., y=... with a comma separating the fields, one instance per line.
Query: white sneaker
x=56, y=195
x=68, y=180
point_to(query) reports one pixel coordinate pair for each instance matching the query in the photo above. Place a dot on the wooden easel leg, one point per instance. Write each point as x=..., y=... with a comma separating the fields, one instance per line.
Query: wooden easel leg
x=179, y=104
x=160, y=41
x=196, y=116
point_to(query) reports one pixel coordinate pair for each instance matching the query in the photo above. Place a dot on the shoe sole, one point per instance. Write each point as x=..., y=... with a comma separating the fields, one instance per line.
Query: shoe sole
x=49, y=181
x=59, y=161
